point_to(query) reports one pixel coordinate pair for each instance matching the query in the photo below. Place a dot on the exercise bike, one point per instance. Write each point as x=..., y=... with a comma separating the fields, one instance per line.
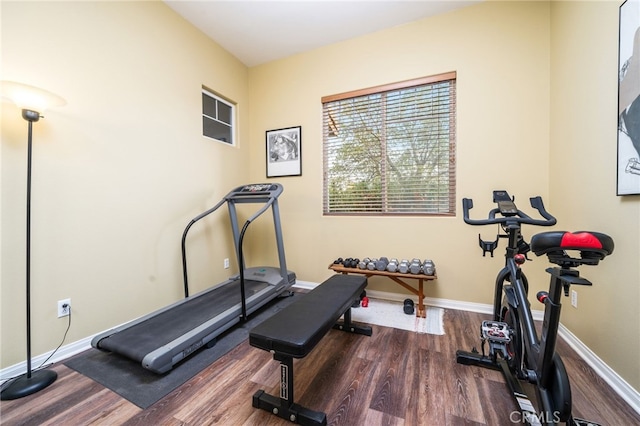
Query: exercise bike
x=510, y=342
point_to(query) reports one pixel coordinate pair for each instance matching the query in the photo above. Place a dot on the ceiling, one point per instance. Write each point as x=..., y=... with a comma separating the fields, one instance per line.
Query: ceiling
x=257, y=32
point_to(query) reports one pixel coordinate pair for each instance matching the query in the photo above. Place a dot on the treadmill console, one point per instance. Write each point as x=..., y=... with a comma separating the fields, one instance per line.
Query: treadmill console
x=258, y=187
x=257, y=192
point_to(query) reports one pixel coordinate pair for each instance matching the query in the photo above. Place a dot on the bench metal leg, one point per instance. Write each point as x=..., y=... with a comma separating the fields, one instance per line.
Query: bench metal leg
x=347, y=325
x=284, y=406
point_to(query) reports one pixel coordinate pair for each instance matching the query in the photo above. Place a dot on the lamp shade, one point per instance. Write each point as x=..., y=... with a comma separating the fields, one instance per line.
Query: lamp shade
x=29, y=97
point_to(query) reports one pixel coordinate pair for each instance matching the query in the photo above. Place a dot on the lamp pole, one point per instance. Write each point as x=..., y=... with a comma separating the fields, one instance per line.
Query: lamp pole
x=32, y=101
x=32, y=381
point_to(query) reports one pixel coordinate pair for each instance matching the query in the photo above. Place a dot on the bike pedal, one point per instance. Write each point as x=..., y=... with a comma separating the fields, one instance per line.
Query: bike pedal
x=496, y=332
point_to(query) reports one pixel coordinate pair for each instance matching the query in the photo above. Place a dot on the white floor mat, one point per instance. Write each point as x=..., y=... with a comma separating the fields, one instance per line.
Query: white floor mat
x=391, y=314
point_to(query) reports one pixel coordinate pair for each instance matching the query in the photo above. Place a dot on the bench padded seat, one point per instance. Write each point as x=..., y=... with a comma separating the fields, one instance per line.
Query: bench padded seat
x=297, y=329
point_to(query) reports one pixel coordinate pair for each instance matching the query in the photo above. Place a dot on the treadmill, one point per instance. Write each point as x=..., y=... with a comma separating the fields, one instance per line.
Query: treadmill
x=163, y=338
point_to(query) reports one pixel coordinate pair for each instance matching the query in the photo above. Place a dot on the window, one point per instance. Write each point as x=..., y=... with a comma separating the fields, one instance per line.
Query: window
x=217, y=117
x=390, y=150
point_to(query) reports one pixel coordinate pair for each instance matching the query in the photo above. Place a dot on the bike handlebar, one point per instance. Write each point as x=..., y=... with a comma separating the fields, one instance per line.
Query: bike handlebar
x=518, y=216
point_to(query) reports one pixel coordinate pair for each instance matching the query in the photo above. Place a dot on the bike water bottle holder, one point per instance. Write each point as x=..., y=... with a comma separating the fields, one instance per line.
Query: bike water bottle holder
x=488, y=246
x=498, y=334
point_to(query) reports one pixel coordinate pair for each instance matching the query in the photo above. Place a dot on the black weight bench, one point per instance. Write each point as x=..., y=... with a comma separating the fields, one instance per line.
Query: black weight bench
x=296, y=330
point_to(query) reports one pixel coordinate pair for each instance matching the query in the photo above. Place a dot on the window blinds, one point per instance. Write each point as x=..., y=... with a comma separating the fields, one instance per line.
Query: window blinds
x=391, y=149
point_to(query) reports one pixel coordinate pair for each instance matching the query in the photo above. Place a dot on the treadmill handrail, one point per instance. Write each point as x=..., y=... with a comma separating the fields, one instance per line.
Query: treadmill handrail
x=241, y=255
x=184, y=242
x=262, y=210
x=237, y=195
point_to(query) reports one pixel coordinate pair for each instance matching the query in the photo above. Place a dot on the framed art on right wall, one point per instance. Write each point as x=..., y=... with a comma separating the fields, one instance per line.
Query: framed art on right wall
x=628, y=167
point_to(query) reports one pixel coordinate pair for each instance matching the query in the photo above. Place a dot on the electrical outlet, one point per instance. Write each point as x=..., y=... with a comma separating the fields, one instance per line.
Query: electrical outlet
x=64, y=307
x=574, y=298
x=226, y=263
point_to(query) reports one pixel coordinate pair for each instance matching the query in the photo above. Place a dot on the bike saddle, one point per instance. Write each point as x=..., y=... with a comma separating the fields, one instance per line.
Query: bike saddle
x=593, y=246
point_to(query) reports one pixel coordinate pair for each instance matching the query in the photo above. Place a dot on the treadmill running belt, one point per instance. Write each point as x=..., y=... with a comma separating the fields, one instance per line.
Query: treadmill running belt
x=139, y=340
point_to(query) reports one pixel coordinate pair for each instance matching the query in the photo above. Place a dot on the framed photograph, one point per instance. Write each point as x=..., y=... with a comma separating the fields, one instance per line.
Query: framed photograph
x=284, y=152
x=628, y=179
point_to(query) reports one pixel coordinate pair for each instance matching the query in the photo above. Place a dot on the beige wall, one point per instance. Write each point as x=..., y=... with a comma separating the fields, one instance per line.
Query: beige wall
x=122, y=168
x=118, y=172
x=584, y=55
x=503, y=98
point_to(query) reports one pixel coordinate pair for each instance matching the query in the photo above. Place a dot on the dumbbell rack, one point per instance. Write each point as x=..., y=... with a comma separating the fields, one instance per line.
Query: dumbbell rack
x=396, y=277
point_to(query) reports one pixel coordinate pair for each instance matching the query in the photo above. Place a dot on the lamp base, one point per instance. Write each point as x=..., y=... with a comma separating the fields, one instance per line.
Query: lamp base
x=25, y=386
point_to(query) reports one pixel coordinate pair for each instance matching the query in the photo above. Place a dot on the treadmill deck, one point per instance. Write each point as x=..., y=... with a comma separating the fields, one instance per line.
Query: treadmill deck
x=137, y=341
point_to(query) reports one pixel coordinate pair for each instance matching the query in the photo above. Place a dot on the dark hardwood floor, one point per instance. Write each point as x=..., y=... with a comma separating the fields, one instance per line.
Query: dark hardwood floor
x=395, y=377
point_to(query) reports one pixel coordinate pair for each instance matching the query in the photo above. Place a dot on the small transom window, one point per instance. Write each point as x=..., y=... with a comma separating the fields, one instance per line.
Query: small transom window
x=217, y=118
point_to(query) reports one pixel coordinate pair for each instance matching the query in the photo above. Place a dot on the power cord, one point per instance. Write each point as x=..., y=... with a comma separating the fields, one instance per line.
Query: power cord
x=52, y=353
x=65, y=306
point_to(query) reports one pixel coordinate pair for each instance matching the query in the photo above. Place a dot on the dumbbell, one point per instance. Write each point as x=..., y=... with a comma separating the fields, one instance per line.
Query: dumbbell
x=361, y=299
x=403, y=267
x=372, y=264
x=349, y=262
x=363, y=263
x=408, y=306
x=382, y=263
x=392, y=266
x=428, y=268
x=415, y=266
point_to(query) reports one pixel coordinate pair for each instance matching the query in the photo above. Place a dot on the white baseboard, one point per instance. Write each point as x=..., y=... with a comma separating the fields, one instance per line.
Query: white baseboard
x=306, y=285
x=613, y=379
x=619, y=385
x=66, y=351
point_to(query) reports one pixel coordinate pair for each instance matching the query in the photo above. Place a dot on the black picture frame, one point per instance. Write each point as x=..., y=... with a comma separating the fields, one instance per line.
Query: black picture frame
x=628, y=150
x=284, y=152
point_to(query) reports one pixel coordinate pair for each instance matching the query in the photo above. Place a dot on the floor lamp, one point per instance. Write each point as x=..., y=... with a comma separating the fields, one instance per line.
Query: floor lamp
x=33, y=102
